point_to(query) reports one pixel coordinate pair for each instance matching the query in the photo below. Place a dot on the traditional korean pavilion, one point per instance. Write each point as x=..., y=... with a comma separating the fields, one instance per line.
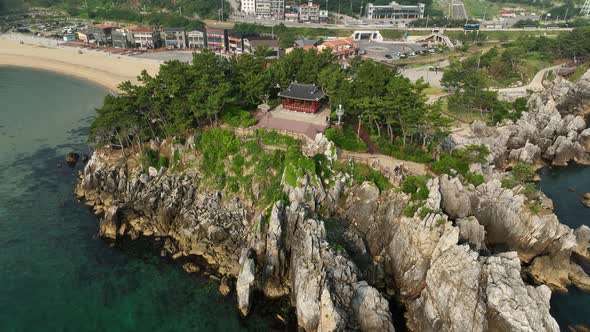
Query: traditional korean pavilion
x=302, y=97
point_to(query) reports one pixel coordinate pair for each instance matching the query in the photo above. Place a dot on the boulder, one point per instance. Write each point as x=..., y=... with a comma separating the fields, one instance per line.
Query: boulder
x=224, y=288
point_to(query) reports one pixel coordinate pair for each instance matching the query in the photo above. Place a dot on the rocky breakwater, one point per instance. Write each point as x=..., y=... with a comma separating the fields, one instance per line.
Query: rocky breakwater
x=554, y=130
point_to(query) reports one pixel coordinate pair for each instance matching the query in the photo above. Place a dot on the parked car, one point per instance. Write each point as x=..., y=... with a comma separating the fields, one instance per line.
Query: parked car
x=388, y=56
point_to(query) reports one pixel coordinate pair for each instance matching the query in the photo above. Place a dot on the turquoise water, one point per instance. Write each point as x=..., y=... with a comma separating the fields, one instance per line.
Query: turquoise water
x=574, y=307
x=55, y=274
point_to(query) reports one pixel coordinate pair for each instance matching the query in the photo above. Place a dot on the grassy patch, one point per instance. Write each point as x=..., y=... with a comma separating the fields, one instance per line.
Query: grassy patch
x=362, y=172
x=579, y=72
x=271, y=137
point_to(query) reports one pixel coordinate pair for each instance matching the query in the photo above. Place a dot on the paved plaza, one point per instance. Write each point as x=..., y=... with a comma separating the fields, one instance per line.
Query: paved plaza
x=297, y=122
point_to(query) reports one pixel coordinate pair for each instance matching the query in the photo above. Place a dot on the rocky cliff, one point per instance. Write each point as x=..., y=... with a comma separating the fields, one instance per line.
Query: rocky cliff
x=343, y=253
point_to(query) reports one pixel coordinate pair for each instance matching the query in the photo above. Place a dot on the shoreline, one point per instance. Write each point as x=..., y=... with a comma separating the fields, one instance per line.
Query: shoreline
x=101, y=68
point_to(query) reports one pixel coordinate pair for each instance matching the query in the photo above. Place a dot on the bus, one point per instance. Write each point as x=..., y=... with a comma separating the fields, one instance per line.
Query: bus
x=471, y=27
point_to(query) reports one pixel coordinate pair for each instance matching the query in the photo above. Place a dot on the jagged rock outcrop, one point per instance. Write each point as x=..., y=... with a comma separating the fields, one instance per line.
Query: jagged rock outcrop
x=371, y=308
x=472, y=232
x=321, y=145
x=553, y=129
x=507, y=219
x=512, y=305
x=449, y=287
x=245, y=283
x=582, y=234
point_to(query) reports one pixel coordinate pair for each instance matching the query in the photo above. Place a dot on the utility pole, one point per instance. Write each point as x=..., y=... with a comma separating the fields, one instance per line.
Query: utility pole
x=566, y=10
x=427, y=21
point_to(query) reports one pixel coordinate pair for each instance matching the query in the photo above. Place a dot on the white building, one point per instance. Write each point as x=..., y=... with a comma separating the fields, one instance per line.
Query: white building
x=249, y=7
x=309, y=12
x=395, y=11
x=273, y=9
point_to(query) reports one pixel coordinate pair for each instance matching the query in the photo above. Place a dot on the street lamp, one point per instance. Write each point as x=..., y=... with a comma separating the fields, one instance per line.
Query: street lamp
x=340, y=113
x=358, y=130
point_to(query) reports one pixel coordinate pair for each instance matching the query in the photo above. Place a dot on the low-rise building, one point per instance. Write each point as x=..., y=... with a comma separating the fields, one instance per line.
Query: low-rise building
x=174, y=38
x=394, y=11
x=270, y=9
x=341, y=48
x=292, y=17
x=196, y=38
x=309, y=12
x=251, y=44
x=102, y=34
x=217, y=40
x=145, y=37
x=324, y=15
x=70, y=37
x=122, y=38
x=235, y=42
x=248, y=7
x=306, y=44
x=84, y=36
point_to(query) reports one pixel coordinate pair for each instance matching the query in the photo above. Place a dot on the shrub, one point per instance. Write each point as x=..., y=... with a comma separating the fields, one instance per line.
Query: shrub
x=523, y=172
x=363, y=172
x=409, y=152
x=153, y=158
x=415, y=186
x=457, y=162
x=236, y=117
x=474, y=179
x=345, y=138
x=411, y=209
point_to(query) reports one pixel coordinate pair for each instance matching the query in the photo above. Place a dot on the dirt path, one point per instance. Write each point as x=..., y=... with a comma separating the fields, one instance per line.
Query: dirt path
x=386, y=164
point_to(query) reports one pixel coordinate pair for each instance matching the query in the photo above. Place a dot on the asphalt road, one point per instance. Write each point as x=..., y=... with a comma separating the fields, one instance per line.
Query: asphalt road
x=459, y=12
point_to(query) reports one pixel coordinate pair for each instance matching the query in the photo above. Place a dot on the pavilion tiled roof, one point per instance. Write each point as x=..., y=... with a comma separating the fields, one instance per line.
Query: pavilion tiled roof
x=308, y=92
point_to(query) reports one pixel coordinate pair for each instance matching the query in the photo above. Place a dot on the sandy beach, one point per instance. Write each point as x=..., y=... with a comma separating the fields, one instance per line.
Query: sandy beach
x=99, y=67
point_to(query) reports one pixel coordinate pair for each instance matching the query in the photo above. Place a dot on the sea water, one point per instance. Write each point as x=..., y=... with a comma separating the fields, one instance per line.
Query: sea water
x=563, y=185
x=55, y=274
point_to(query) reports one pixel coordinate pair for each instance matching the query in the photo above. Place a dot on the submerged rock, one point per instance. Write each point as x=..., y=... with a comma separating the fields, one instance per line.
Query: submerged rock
x=72, y=159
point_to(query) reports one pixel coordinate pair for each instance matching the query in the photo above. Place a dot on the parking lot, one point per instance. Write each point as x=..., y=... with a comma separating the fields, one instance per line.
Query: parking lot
x=379, y=51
